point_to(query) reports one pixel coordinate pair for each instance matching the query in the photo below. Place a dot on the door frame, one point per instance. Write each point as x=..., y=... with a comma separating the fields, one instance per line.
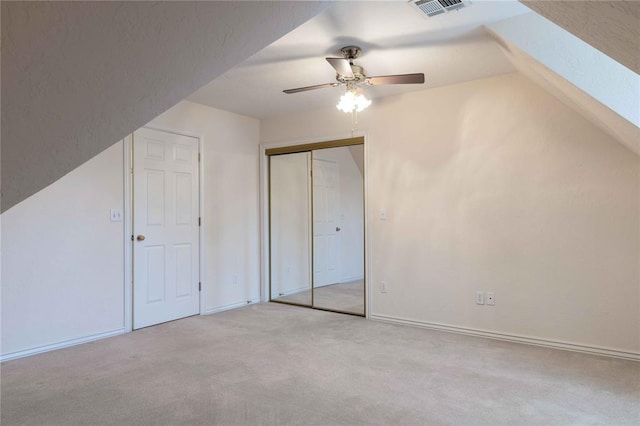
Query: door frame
x=128, y=220
x=306, y=144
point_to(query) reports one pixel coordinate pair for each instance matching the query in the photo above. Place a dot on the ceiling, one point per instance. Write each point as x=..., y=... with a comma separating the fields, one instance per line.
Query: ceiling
x=395, y=39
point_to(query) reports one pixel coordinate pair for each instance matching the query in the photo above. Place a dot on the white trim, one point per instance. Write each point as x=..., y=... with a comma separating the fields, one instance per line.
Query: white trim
x=264, y=208
x=201, y=233
x=294, y=291
x=367, y=235
x=263, y=191
x=593, y=350
x=203, y=224
x=60, y=345
x=231, y=306
x=128, y=226
x=310, y=258
x=350, y=279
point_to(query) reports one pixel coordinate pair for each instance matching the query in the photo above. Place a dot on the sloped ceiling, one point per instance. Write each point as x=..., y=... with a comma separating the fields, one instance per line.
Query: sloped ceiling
x=395, y=38
x=79, y=76
x=449, y=49
x=603, y=90
x=608, y=120
x=613, y=27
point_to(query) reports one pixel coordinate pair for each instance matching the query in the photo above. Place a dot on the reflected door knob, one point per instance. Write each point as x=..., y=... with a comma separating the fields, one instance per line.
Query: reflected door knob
x=337, y=229
x=140, y=238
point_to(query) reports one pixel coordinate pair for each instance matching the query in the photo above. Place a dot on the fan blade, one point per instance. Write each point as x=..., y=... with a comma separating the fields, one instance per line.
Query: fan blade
x=342, y=66
x=396, y=79
x=304, y=89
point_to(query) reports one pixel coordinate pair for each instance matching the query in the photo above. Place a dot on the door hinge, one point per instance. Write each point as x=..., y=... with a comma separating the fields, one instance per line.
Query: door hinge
x=131, y=237
x=199, y=221
x=199, y=286
x=198, y=156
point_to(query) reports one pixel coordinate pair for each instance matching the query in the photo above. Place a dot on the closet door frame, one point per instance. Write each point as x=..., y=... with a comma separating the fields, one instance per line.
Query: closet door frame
x=266, y=269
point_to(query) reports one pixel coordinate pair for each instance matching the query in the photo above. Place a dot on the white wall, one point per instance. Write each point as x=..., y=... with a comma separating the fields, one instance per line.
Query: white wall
x=495, y=185
x=63, y=259
x=230, y=161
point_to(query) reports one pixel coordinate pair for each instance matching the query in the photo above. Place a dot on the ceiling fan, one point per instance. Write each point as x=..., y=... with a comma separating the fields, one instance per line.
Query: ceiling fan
x=353, y=75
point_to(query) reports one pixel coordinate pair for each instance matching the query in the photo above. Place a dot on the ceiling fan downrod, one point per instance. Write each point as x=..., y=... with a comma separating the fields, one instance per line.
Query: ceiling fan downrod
x=351, y=53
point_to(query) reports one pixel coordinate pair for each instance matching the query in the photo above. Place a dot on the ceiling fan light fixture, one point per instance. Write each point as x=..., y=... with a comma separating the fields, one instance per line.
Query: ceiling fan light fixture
x=353, y=100
x=351, y=75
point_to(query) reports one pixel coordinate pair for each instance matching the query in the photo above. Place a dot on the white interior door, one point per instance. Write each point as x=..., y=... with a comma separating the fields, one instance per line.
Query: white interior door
x=165, y=227
x=326, y=244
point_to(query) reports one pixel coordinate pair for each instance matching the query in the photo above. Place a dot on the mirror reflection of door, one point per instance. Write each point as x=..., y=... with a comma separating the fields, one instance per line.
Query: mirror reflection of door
x=290, y=228
x=316, y=213
x=338, y=229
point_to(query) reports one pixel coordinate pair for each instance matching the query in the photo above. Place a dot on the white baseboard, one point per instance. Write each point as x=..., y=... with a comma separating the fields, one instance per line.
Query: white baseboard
x=353, y=278
x=231, y=306
x=345, y=280
x=295, y=291
x=593, y=350
x=60, y=345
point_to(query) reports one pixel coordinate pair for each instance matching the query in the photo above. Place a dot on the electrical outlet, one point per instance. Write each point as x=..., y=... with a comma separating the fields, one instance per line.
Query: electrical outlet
x=479, y=297
x=383, y=286
x=491, y=299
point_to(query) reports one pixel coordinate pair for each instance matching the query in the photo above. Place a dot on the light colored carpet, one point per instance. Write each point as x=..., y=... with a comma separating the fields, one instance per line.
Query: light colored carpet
x=344, y=297
x=278, y=364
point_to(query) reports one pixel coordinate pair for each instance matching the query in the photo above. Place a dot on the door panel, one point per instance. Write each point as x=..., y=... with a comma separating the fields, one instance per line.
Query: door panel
x=154, y=182
x=154, y=279
x=166, y=243
x=183, y=202
x=290, y=228
x=325, y=196
x=184, y=258
x=338, y=209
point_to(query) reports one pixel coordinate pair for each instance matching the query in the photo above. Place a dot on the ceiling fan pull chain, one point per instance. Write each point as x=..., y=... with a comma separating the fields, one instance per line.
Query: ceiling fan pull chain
x=354, y=121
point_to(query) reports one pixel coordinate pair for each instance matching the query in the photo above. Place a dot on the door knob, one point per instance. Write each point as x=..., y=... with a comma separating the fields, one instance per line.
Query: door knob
x=140, y=238
x=337, y=229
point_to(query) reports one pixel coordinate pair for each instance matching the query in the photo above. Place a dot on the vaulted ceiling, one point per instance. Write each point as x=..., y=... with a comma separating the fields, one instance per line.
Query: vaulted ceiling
x=612, y=27
x=395, y=39
x=79, y=76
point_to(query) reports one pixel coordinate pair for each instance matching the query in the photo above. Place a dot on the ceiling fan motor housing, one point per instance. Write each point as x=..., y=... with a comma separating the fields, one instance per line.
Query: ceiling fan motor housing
x=358, y=75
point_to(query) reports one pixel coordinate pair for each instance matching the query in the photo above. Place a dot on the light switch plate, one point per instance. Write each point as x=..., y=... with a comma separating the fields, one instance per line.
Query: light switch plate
x=116, y=215
x=383, y=214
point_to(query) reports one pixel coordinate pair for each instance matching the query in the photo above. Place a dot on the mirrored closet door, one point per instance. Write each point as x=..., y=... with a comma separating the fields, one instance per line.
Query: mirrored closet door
x=317, y=240
x=290, y=227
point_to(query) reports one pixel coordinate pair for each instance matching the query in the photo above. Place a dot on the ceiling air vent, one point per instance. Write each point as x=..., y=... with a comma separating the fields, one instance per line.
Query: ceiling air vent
x=437, y=7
